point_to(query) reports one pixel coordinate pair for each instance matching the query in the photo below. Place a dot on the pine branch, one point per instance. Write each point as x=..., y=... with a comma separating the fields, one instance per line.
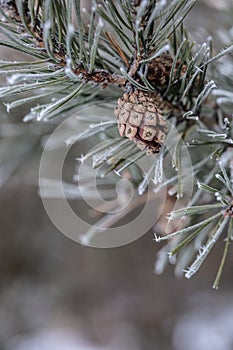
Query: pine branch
x=142, y=50
x=224, y=223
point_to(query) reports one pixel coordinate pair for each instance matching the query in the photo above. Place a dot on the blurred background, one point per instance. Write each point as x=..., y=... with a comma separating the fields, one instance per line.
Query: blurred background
x=58, y=295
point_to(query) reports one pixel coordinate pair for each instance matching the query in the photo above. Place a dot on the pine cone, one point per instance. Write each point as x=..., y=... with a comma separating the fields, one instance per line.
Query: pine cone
x=159, y=70
x=141, y=118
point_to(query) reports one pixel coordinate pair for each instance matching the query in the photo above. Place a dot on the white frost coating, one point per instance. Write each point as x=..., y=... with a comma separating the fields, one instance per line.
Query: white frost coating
x=179, y=195
x=161, y=261
x=18, y=77
x=100, y=23
x=81, y=159
x=71, y=29
x=72, y=139
x=204, y=250
x=29, y=117
x=84, y=240
x=218, y=135
x=158, y=175
x=13, y=78
x=103, y=156
x=157, y=238
x=143, y=185
x=204, y=45
x=222, y=100
x=163, y=49
x=92, y=126
x=192, y=117
x=69, y=71
x=218, y=196
x=47, y=25
x=222, y=92
x=8, y=108
x=94, y=7
x=144, y=5
x=226, y=121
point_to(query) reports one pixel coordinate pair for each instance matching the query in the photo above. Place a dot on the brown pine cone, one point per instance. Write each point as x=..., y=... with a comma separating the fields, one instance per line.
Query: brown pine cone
x=159, y=70
x=141, y=118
